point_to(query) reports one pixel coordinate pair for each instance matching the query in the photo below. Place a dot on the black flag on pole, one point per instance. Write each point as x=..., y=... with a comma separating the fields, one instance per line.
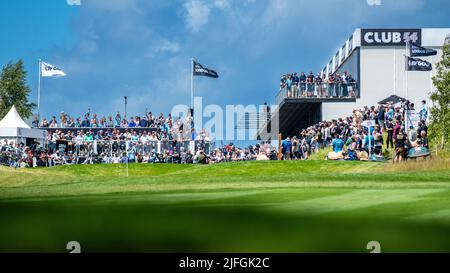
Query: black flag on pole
x=199, y=70
x=414, y=64
x=418, y=51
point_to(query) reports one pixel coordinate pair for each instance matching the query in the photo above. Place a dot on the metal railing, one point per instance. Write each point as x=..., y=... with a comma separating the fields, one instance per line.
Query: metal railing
x=120, y=147
x=318, y=90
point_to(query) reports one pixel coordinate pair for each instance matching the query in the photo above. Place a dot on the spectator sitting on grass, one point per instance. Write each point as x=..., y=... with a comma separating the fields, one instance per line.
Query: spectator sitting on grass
x=200, y=158
x=337, y=144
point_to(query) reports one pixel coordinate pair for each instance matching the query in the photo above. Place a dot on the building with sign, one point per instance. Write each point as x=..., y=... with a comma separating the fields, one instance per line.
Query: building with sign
x=376, y=59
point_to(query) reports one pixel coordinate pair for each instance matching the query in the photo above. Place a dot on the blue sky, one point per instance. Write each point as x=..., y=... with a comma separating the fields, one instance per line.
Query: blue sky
x=142, y=49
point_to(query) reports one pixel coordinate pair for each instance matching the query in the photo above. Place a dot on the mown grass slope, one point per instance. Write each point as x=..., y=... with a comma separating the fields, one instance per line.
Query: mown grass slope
x=317, y=206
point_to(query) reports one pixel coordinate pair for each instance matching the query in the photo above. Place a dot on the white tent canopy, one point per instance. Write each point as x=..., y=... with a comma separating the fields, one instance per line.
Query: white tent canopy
x=13, y=119
x=12, y=126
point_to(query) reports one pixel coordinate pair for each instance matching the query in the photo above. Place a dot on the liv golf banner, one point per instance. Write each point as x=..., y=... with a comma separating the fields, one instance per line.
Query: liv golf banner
x=199, y=70
x=418, y=51
x=414, y=64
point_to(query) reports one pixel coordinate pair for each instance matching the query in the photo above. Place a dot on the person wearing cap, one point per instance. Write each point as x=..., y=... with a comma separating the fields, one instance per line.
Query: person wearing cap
x=88, y=137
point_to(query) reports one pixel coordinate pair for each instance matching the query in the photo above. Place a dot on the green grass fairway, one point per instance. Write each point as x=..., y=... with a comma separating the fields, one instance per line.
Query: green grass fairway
x=313, y=206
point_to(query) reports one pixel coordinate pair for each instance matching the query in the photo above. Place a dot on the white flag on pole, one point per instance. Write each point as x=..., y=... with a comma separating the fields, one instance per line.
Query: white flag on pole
x=48, y=70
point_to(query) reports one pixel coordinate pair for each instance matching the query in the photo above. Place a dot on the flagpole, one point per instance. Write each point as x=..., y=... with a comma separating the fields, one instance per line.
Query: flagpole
x=406, y=71
x=39, y=92
x=192, y=90
x=406, y=94
x=395, y=71
x=192, y=83
x=431, y=74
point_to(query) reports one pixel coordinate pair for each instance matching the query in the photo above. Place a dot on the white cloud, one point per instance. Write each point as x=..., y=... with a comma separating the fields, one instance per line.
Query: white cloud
x=112, y=5
x=197, y=14
x=164, y=46
x=168, y=46
x=222, y=4
x=404, y=4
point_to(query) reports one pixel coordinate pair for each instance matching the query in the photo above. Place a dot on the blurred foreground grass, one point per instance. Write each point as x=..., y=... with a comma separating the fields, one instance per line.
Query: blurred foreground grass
x=311, y=206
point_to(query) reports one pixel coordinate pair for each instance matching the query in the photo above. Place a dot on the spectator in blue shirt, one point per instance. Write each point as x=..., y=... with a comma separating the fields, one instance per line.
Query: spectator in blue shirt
x=289, y=85
x=286, y=147
x=424, y=111
x=132, y=124
x=86, y=123
x=337, y=144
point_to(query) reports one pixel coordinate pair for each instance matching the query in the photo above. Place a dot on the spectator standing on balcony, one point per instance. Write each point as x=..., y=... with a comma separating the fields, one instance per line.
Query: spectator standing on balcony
x=86, y=123
x=302, y=84
x=78, y=123
x=35, y=122
x=94, y=123
x=289, y=85
x=310, y=84
x=63, y=119
x=53, y=123
x=71, y=123
x=295, y=83
x=331, y=83
x=110, y=122
x=117, y=120
x=124, y=123
x=132, y=123
x=338, y=85
x=318, y=85
x=344, y=80
x=351, y=86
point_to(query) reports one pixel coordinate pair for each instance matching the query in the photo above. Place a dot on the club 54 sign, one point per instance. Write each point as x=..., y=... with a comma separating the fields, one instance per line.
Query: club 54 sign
x=390, y=37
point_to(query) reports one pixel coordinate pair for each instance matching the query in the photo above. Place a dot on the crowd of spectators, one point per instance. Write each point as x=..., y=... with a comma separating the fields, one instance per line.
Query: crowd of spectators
x=146, y=139
x=167, y=140
x=319, y=86
x=160, y=122
x=66, y=151
x=350, y=140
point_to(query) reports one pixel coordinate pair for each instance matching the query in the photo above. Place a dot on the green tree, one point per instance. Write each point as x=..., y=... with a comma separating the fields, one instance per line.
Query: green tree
x=440, y=113
x=14, y=90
